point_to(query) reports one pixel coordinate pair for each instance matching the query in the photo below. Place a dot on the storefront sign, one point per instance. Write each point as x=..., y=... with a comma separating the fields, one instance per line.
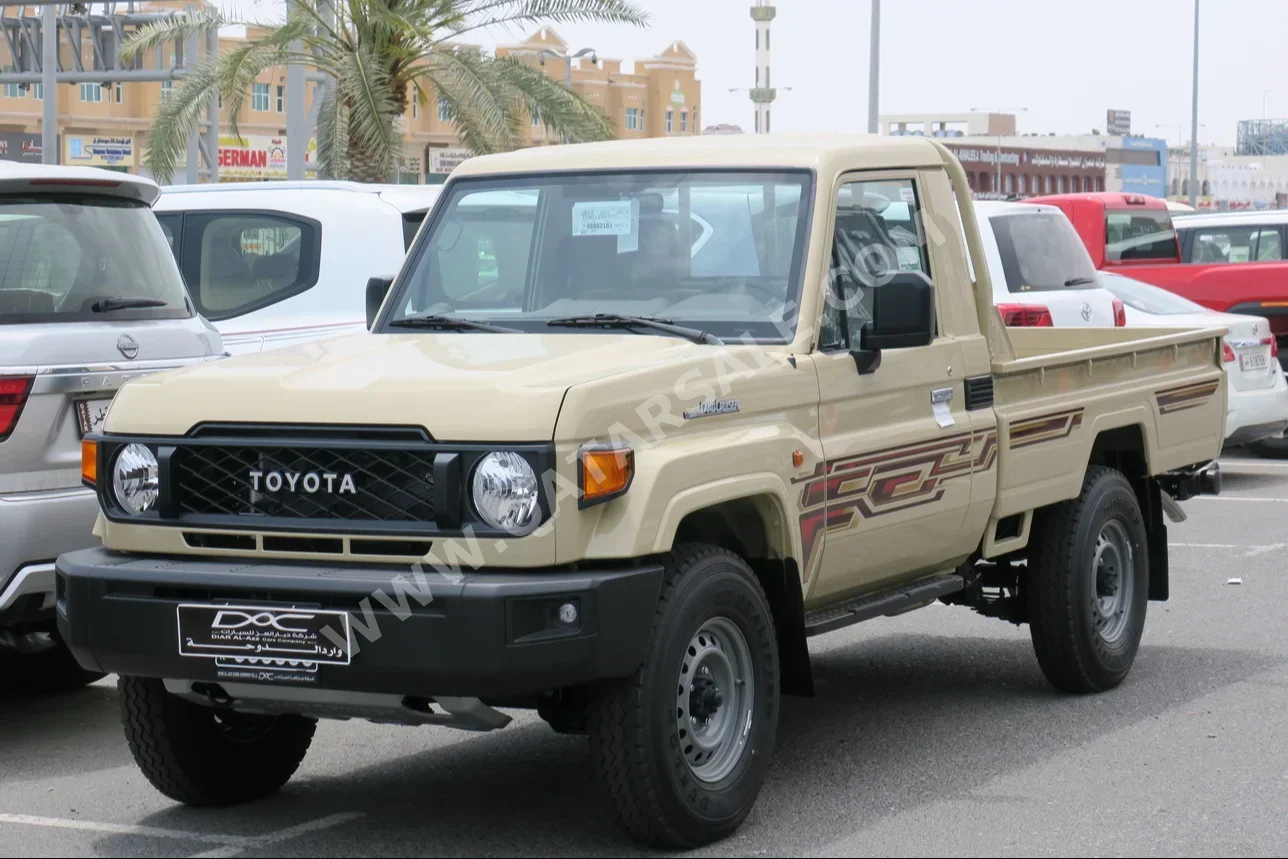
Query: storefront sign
x=99, y=151
x=1070, y=160
x=15, y=146
x=258, y=157
x=444, y=161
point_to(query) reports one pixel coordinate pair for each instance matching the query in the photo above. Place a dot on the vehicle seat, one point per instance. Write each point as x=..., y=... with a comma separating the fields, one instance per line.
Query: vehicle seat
x=275, y=271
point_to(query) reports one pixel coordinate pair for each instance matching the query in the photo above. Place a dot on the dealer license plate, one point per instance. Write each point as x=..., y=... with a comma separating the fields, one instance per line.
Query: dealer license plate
x=265, y=644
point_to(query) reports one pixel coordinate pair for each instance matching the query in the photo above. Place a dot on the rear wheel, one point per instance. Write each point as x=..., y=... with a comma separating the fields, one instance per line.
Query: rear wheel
x=683, y=747
x=1088, y=584
x=206, y=757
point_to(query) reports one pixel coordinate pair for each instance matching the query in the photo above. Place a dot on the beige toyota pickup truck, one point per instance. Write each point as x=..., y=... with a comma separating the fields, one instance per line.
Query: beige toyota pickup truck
x=633, y=422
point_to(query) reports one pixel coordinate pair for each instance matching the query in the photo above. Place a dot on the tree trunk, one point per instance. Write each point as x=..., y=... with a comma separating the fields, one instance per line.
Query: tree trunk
x=366, y=167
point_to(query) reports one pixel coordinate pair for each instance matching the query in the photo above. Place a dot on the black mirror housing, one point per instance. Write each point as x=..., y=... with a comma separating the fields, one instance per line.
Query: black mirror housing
x=377, y=289
x=903, y=313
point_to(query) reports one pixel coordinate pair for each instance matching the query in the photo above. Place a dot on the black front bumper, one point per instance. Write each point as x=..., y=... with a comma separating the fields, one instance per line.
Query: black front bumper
x=482, y=634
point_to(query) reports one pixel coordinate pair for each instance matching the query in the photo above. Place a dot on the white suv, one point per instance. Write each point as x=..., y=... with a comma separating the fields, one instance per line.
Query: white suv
x=271, y=263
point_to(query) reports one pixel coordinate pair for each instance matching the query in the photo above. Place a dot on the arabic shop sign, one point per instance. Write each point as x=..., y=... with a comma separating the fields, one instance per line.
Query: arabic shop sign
x=15, y=146
x=258, y=156
x=100, y=151
x=446, y=160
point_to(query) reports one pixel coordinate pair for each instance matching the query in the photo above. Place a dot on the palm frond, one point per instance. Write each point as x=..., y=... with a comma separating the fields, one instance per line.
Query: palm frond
x=238, y=70
x=182, y=26
x=564, y=112
x=483, y=112
x=482, y=14
x=178, y=117
x=365, y=89
x=333, y=136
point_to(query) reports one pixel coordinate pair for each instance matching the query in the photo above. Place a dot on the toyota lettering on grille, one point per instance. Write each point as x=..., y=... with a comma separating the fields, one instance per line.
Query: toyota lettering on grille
x=311, y=482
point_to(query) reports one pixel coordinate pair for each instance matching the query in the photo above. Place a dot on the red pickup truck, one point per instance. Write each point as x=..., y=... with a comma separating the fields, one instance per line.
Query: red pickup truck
x=1241, y=270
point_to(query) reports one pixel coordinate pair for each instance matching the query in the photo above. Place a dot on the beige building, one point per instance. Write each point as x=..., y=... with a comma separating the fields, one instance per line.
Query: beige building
x=107, y=125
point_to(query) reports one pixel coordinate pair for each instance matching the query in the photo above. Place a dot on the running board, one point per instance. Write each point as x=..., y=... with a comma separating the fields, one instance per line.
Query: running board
x=884, y=604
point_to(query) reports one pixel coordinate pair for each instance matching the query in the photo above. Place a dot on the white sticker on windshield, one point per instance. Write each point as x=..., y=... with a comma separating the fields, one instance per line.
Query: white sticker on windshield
x=612, y=218
x=907, y=195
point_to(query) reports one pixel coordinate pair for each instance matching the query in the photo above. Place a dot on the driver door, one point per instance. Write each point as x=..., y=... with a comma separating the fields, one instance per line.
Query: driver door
x=892, y=495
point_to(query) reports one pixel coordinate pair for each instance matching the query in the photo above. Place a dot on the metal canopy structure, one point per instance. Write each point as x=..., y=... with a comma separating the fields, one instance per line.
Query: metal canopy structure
x=41, y=34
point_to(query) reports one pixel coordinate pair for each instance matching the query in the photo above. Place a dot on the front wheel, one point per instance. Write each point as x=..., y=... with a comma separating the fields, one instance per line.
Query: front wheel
x=1088, y=584
x=206, y=757
x=683, y=747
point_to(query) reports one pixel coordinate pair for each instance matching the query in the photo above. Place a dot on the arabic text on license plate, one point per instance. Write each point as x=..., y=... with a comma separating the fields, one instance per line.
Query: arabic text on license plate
x=90, y=414
x=1252, y=362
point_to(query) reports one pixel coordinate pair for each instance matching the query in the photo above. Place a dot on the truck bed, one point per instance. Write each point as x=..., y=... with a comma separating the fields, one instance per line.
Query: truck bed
x=1066, y=387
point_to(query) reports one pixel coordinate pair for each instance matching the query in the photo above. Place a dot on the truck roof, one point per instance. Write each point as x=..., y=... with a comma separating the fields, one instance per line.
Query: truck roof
x=17, y=177
x=817, y=151
x=1108, y=199
x=1262, y=216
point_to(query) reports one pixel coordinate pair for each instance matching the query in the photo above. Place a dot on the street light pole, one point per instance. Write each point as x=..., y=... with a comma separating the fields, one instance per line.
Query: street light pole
x=567, y=58
x=1194, y=131
x=874, y=67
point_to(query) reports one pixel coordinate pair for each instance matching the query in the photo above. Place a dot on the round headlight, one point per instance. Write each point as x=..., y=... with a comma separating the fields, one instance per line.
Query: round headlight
x=134, y=479
x=505, y=492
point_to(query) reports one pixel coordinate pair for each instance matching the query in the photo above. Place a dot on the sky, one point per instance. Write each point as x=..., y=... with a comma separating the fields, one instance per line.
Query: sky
x=1066, y=61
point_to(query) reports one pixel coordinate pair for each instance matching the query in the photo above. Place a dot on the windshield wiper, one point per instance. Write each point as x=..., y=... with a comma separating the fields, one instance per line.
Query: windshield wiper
x=1079, y=281
x=449, y=323
x=617, y=320
x=107, y=305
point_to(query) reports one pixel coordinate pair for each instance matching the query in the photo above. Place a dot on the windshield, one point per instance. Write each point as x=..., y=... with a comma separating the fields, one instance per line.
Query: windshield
x=1041, y=251
x=63, y=255
x=1138, y=234
x=716, y=250
x=1147, y=298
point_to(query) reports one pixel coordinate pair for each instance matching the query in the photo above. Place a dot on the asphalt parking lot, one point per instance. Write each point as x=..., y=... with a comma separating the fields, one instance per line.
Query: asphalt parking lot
x=933, y=733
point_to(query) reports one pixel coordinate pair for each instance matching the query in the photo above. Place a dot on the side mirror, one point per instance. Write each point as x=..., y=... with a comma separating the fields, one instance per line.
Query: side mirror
x=377, y=289
x=903, y=315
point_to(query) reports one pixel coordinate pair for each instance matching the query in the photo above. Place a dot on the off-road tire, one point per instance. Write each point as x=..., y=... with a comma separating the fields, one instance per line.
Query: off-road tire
x=1061, y=585
x=635, y=745
x=47, y=672
x=190, y=757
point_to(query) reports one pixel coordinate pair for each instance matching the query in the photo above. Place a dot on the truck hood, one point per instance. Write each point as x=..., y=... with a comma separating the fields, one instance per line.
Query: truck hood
x=458, y=386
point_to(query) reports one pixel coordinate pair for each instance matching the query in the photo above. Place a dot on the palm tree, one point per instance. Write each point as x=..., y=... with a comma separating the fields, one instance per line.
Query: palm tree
x=376, y=52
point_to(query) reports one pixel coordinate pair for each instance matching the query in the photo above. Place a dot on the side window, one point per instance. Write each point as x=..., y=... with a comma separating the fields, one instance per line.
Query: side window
x=1218, y=244
x=1269, y=245
x=170, y=225
x=878, y=232
x=236, y=262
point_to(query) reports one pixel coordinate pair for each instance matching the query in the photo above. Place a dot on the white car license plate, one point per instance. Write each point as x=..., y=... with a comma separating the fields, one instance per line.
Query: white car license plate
x=1252, y=362
x=90, y=414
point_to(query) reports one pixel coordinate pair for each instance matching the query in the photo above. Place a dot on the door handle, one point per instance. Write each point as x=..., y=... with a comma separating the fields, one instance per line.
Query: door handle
x=941, y=395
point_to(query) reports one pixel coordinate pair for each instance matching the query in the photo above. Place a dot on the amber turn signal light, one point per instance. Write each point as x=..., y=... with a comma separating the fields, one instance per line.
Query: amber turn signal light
x=606, y=473
x=89, y=462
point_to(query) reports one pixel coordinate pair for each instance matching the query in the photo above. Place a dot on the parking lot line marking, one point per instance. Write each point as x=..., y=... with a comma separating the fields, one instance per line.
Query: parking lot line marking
x=1235, y=498
x=229, y=850
x=237, y=841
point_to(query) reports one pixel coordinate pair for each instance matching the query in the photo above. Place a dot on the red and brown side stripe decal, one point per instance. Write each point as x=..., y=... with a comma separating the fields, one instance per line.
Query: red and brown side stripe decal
x=1185, y=397
x=841, y=491
x=1050, y=427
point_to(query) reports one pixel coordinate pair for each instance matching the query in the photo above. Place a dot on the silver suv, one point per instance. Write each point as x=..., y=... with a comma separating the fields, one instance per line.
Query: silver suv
x=90, y=297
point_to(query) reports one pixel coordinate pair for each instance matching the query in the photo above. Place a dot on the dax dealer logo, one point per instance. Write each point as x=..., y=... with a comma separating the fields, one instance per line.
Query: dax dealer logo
x=230, y=619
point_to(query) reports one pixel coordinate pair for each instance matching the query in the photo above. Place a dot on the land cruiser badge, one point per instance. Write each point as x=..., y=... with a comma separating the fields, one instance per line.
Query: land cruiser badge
x=712, y=407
